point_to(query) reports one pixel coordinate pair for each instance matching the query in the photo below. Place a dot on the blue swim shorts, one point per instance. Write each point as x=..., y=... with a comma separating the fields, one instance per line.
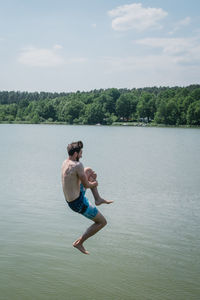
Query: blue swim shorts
x=82, y=205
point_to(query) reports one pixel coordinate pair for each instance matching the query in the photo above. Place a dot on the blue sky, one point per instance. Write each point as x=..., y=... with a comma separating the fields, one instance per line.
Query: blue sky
x=64, y=46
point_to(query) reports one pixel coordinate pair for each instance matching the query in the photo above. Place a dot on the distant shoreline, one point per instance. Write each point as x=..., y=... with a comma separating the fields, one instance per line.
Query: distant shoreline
x=143, y=107
x=128, y=124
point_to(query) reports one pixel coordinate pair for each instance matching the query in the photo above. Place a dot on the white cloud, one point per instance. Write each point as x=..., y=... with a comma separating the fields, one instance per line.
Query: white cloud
x=40, y=57
x=77, y=60
x=182, y=50
x=134, y=16
x=171, y=46
x=182, y=23
x=135, y=63
x=147, y=70
x=176, y=61
x=57, y=47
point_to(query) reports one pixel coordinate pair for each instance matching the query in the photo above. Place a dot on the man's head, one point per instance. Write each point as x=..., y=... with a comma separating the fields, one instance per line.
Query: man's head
x=75, y=150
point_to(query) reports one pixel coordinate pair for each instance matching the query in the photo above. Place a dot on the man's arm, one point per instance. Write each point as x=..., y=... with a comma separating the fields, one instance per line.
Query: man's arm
x=83, y=178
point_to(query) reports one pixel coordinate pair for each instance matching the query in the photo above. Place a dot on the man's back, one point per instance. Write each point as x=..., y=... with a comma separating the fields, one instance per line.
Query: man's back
x=70, y=180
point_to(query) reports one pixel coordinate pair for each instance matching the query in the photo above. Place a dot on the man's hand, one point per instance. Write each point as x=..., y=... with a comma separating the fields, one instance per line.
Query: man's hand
x=93, y=184
x=91, y=175
x=84, y=179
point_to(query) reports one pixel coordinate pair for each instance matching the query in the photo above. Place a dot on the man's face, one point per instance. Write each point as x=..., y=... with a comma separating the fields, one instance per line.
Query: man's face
x=79, y=155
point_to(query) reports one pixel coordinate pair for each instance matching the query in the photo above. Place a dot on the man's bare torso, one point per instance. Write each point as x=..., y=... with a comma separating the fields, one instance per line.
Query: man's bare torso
x=70, y=180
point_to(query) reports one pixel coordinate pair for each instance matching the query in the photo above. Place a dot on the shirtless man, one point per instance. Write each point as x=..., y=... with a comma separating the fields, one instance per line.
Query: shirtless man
x=75, y=181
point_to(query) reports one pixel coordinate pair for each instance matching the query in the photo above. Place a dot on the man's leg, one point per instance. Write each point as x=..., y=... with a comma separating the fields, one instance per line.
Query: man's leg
x=91, y=176
x=99, y=223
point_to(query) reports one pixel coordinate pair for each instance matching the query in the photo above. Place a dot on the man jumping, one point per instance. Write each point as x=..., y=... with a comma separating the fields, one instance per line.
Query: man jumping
x=75, y=181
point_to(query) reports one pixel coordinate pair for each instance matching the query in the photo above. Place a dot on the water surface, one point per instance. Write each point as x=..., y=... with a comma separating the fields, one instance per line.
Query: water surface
x=150, y=247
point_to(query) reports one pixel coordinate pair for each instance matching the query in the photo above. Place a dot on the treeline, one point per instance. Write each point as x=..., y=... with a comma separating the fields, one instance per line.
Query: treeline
x=158, y=105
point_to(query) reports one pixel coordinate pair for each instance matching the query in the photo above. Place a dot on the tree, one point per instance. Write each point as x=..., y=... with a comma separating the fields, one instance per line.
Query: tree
x=167, y=113
x=110, y=118
x=112, y=95
x=94, y=114
x=23, y=103
x=172, y=112
x=36, y=118
x=47, y=111
x=173, y=106
x=146, y=106
x=161, y=114
x=183, y=103
x=193, y=113
x=2, y=113
x=196, y=94
x=123, y=107
x=72, y=110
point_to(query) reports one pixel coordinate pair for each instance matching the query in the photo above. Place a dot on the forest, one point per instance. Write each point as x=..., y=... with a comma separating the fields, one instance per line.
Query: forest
x=174, y=106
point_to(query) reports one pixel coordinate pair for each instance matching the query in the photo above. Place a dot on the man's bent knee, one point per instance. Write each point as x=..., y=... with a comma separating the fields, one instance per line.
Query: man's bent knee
x=104, y=222
x=88, y=171
x=91, y=175
x=100, y=219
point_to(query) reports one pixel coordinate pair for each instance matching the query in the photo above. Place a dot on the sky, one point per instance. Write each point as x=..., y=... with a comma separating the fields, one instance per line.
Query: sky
x=82, y=45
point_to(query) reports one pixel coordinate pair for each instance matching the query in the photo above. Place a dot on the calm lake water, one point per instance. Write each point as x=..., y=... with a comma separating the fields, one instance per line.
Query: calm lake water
x=150, y=248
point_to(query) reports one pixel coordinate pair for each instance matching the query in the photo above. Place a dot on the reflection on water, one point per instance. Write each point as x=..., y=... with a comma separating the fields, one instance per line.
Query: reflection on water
x=150, y=247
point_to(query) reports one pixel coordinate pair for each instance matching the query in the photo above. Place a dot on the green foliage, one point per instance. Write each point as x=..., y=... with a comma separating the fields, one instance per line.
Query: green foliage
x=160, y=105
x=193, y=114
x=71, y=110
x=146, y=106
x=94, y=114
x=123, y=107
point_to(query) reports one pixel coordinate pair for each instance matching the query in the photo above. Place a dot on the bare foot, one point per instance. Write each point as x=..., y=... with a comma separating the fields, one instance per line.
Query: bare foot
x=77, y=244
x=101, y=201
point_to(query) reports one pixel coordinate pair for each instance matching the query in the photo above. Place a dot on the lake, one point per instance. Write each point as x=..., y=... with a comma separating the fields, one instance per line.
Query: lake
x=150, y=248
